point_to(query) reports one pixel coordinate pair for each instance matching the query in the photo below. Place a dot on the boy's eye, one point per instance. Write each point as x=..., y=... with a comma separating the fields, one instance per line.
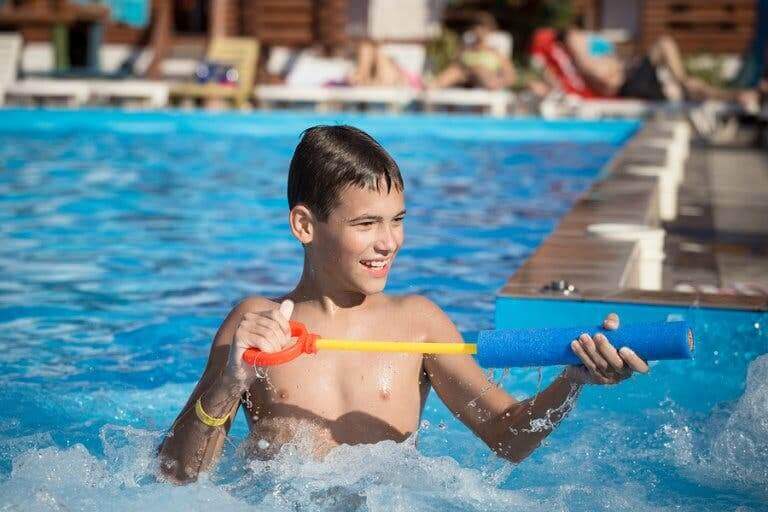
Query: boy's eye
x=398, y=219
x=365, y=224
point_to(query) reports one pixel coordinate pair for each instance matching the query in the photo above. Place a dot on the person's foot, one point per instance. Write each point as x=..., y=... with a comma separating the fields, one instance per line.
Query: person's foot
x=749, y=99
x=356, y=79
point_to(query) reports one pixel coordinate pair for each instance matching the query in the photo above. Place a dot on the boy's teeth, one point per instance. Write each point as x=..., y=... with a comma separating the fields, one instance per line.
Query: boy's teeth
x=374, y=264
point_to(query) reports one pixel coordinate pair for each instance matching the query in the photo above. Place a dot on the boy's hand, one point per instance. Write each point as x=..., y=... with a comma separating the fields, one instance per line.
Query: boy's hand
x=602, y=363
x=267, y=331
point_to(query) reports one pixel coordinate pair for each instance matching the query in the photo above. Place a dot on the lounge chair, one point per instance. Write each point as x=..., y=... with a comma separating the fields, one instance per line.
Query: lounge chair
x=305, y=79
x=119, y=63
x=308, y=79
x=242, y=53
x=575, y=99
x=308, y=74
x=495, y=103
x=150, y=93
x=71, y=92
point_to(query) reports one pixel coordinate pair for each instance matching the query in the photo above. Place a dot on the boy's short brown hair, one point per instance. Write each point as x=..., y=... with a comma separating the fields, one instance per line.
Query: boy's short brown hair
x=330, y=158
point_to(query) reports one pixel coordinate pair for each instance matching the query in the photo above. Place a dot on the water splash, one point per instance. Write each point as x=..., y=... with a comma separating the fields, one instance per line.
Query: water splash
x=730, y=446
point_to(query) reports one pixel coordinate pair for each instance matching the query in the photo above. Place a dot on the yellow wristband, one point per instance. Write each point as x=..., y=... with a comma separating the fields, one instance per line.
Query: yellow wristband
x=207, y=418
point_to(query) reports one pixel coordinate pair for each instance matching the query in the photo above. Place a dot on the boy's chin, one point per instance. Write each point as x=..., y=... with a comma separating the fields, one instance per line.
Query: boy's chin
x=371, y=288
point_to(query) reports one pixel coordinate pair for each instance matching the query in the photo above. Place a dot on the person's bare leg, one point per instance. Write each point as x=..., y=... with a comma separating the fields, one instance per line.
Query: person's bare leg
x=386, y=73
x=450, y=76
x=666, y=53
x=699, y=90
x=363, y=73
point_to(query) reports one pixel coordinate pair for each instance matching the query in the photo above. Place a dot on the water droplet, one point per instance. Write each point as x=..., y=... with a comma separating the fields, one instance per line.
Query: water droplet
x=263, y=444
x=441, y=425
x=425, y=424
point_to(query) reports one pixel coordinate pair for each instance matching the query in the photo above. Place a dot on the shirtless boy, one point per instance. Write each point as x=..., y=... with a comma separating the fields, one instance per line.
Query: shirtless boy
x=347, y=210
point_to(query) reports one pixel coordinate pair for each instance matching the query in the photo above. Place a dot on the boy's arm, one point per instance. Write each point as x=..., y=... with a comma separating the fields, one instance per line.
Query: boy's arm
x=511, y=428
x=191, y=446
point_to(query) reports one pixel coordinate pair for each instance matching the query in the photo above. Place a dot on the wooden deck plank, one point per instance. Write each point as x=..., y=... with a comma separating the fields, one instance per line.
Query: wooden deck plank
x=702, y=247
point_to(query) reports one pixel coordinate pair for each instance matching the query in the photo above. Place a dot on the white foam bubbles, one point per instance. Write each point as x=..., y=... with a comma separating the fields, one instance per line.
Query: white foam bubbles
x=730, y=448
x=740, y=449
x=383, y=476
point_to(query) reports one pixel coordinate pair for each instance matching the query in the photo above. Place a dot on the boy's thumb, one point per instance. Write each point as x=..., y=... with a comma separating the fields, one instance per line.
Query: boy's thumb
x=286, y=308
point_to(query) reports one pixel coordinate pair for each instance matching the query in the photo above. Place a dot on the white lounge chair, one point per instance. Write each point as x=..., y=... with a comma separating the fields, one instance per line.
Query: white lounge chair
x=305, y=79
x=305, y=84
x=495, y=103
x=71, y=92
x=153, y=94
x=149, y=93
x=393, y=99
x=268, y=96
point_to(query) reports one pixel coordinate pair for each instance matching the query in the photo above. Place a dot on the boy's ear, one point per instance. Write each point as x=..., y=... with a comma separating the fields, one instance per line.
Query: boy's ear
x=302, y=223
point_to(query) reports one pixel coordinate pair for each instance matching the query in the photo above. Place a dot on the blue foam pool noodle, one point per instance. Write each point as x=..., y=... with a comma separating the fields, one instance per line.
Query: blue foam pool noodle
x=505, y=348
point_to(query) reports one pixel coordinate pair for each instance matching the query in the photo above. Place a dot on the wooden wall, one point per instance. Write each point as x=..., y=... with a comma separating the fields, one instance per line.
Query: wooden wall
x=712, y=26
x=273, y=22
x=295, y=22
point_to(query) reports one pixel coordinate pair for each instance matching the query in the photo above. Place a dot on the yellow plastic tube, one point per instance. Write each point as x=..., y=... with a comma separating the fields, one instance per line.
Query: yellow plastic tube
x=397, y=346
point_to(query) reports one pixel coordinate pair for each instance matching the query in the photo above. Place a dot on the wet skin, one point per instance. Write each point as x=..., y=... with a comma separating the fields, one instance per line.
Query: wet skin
x=353, y=397
x=344, y=397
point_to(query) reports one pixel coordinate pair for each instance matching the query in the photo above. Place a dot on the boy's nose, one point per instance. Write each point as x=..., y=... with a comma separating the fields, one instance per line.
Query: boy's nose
x=386, y=241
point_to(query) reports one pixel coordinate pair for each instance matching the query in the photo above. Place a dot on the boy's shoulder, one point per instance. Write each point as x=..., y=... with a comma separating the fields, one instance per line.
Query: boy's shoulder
x=254, y=304
x=414, y=300
x=426, y=316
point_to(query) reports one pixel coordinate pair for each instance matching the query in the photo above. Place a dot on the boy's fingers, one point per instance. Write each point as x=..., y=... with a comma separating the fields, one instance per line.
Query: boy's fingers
x=609, y=352
x=257, y=341
x=281, y=315
x=286, y=308
x=590, y=348
x=578, y=349
x=272, y=330
x=265, y=344
x=279, y=320
x=611, y=321
x=633, y=360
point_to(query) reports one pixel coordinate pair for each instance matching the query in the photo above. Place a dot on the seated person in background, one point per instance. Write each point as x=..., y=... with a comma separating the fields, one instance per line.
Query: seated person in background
x=373, y=67
x=479, y=64
x=658, y=75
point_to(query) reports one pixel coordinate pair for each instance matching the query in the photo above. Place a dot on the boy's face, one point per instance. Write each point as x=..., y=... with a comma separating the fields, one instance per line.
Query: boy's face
x=357, y=245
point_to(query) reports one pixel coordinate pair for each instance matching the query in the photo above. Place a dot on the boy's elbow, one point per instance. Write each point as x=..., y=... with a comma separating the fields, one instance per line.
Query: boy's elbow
x=506, y=437
x=512, y=454
x=510, y=448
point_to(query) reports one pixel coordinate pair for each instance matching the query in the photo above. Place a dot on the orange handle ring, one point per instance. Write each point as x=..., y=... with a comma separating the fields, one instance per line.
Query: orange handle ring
x=305, y=344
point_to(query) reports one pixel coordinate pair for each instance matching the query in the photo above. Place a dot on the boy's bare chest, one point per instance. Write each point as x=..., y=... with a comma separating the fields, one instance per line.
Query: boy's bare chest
x=334, y=381
x=346, y=391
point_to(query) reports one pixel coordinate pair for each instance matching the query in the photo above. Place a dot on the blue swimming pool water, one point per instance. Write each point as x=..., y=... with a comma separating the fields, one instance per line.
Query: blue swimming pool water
x=125, y=239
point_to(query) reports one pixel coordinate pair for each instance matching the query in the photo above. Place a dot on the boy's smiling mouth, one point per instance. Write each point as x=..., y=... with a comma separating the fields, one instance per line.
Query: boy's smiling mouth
x=377, y=268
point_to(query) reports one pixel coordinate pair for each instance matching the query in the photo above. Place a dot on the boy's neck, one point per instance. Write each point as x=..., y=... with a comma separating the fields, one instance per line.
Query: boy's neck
x=330, y=299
